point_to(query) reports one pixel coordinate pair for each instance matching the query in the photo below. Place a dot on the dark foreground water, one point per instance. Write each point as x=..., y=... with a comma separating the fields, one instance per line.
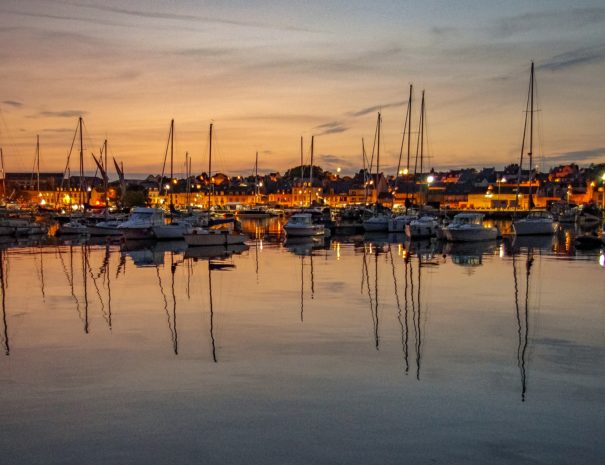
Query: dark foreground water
x=358, y=353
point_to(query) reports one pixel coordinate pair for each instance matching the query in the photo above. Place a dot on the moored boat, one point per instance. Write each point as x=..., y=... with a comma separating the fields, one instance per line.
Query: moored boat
x=140, y=223
x=301, y=224
x=468, y=227
x=213, y=237
x=535, y=223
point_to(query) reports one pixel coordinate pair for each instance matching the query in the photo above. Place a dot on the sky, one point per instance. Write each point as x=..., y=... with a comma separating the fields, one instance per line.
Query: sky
x=267, y=72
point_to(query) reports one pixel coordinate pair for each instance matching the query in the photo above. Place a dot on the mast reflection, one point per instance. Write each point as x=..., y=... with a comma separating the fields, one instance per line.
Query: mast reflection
x=3, y=268
x=522, y=317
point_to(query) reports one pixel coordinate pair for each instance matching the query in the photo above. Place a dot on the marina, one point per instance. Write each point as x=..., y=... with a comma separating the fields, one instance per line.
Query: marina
x=302, y=233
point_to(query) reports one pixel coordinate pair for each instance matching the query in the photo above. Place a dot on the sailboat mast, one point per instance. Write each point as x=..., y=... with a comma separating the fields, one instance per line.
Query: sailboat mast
x=106, y=179
x=3, y=173
x=171, y=164
x=531, y=118
x=256, y=178
x=409, y=127
x=311, y=172
x=378, y=150
x=210, y=167
x=81, y=162
x=422, y=109
x=38, y=163
x=187, y=175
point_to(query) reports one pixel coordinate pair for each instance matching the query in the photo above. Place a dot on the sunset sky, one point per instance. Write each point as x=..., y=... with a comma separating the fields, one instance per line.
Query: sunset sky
x=267, y=72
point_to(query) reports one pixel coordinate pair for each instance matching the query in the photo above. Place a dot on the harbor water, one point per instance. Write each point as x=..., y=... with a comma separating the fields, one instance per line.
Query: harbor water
x=358, y=350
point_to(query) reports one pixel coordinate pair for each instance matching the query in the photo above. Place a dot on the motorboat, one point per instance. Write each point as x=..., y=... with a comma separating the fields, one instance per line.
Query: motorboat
x=468, y=227
x=74, y=227
x=176, y=229
x=535, y=223
x=301, y=224
x=105, y=228
x=423, y=227
x=379, y=222
x=140, y=223
x=224, y=235
x=400, y=222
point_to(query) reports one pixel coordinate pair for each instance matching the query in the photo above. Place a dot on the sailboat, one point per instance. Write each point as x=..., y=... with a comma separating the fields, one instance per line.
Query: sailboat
x=175, y=229
x=379, y=221
x=209, y=236
x=399, y=222
x=536, y=222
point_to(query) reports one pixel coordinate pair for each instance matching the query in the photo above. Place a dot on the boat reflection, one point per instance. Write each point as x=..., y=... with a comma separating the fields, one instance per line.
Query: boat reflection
x=543, y=243
x=469, y=254
x=144, y=253
x=218, y=251
x=306, y=245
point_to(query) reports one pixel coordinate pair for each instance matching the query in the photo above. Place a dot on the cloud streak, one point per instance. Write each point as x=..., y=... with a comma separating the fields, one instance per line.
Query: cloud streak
x=333, y=127
x=62, y=114
x=188, y=17
x=375, y=108
x=578, y=155
x=528, y=22
x=573, y=58
x=13, y=103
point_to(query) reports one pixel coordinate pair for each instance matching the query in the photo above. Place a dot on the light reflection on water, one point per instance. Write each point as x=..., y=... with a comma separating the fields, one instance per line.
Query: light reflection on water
x=357, y=349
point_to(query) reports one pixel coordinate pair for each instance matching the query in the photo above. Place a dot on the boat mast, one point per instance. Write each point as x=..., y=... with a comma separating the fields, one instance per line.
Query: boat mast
x=422, y=110
x=365, y=171
x=171, y=206
x=81, y=163
x=256, y=178
x=311, y=172
x=409, y=127
x=377, y=156
x=531, y=134
x=38, y=164
x=3, y=173
x=106, y=180
x=187, y=176
x=210, y=169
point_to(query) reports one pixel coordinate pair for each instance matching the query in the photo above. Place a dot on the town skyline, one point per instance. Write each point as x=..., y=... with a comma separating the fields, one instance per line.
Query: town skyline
x=267, y=74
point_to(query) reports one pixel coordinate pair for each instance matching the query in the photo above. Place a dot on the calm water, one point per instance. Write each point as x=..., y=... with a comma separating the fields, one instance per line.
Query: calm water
x=355, y=352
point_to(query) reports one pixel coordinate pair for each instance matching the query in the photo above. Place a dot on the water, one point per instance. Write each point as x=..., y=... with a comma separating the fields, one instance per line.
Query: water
x=352, y=352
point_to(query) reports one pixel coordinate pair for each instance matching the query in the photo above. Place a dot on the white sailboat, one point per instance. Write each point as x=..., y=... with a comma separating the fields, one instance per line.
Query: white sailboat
x=379, y=221
x=538, y=222
x=224, y=236
x=175, y=229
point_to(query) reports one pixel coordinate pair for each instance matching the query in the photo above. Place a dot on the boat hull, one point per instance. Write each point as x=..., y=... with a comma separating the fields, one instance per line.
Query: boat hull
x=171, y=231
x=306, y=231
x=533, y=228
x=470, y=234
x=137, y=233
x=213, y=238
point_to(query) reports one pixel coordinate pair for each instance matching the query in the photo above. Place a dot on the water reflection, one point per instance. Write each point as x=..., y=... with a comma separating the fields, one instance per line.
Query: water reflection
x=3, y=267
x=522, y=316
x=469, y=254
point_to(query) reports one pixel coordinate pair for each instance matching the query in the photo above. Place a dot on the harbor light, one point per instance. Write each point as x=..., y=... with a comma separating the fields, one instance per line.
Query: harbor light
x=338, y=169
x=430, y=178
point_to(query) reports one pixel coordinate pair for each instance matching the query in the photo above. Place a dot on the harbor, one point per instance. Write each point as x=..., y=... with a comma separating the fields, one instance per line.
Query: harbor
x=302, y=233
